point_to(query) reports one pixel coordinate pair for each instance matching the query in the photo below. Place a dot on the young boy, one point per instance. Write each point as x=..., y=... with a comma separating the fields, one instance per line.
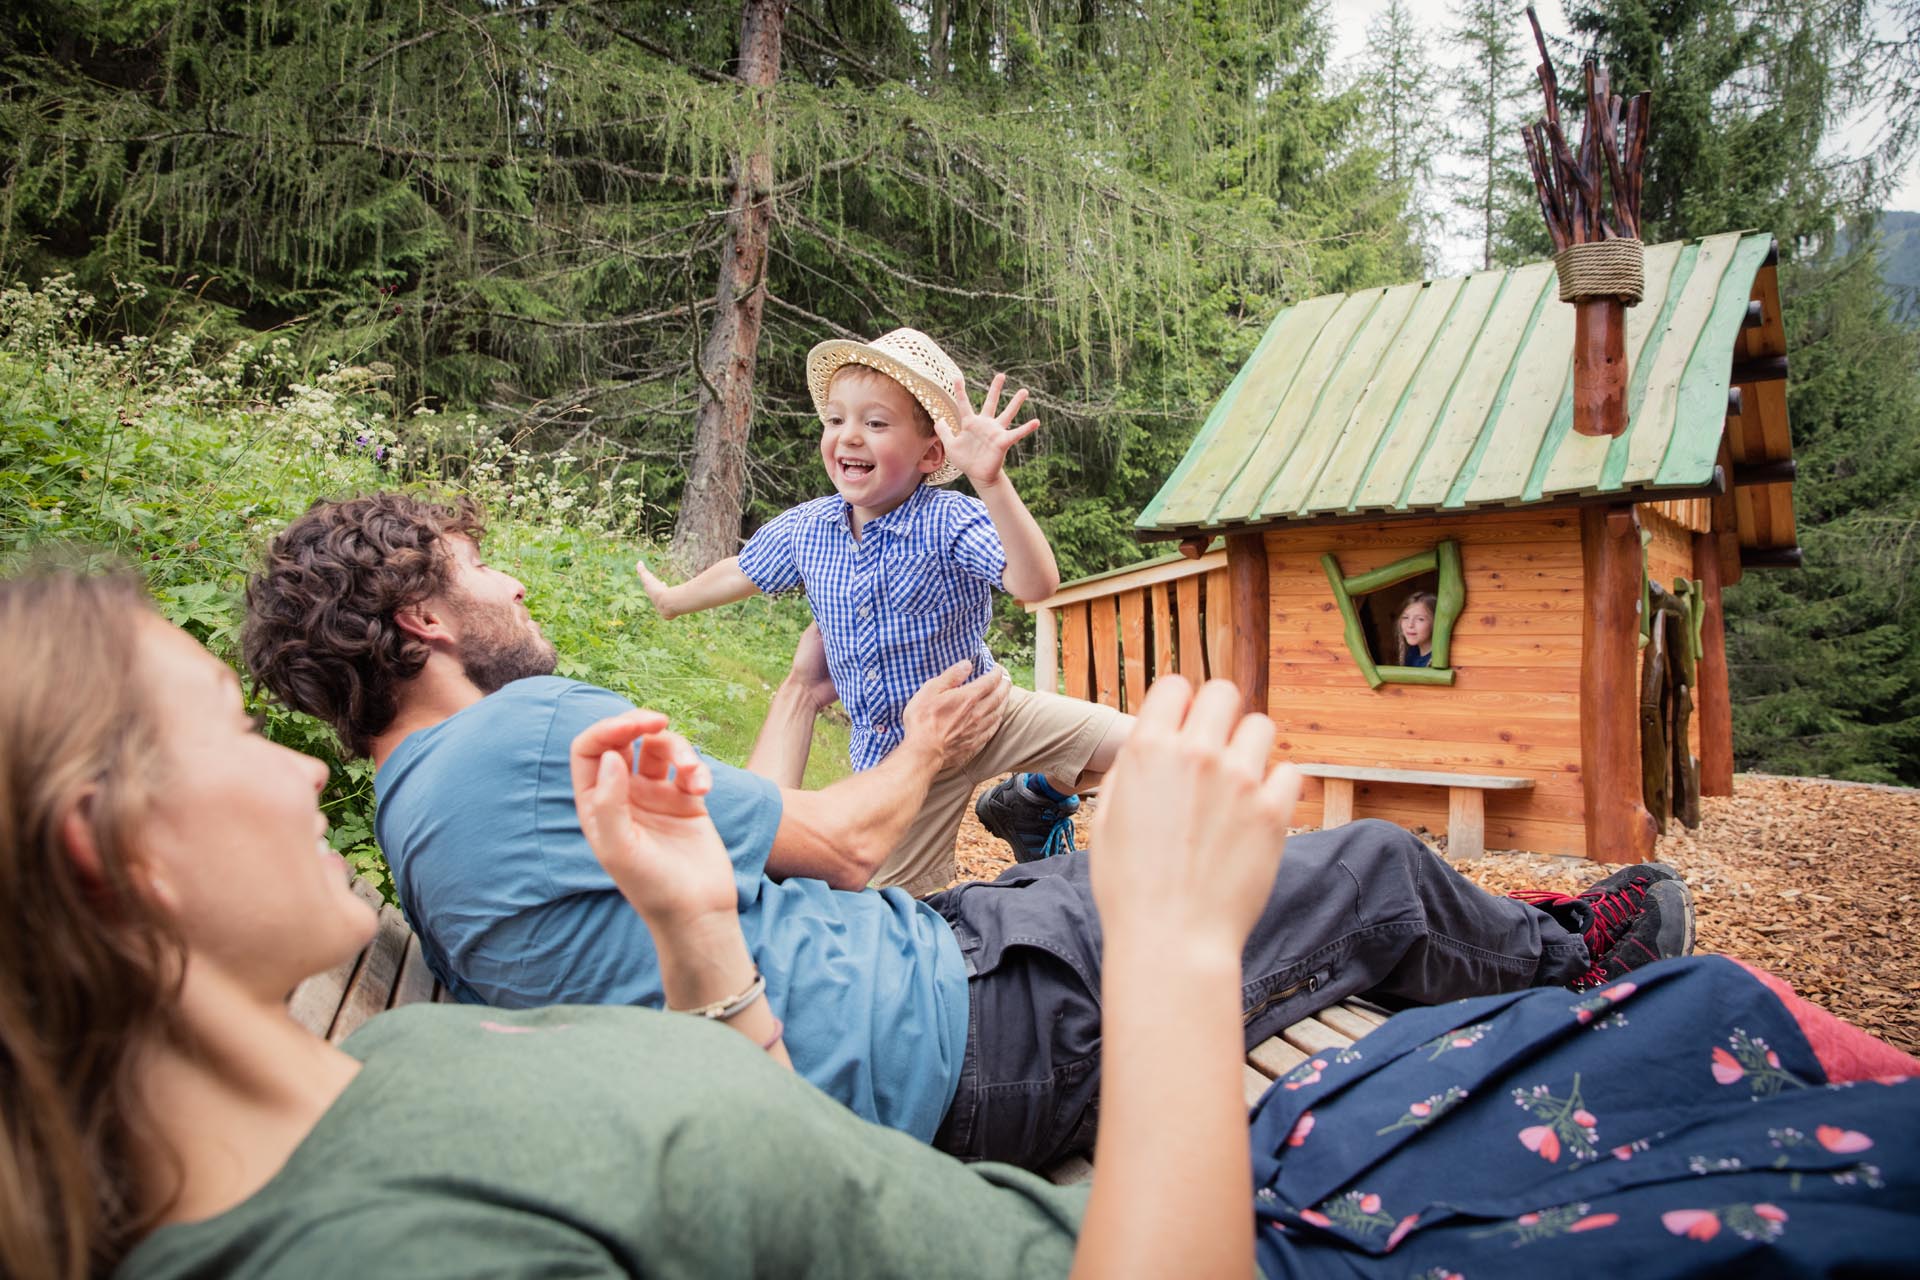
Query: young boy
x=900, y=572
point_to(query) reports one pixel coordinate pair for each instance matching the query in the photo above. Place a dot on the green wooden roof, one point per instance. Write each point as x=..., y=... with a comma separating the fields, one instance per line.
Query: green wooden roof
x=1453, y=394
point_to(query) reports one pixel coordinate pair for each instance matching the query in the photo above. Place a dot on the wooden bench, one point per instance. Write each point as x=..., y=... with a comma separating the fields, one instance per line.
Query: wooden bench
x=1466, y=798
x=391, y=971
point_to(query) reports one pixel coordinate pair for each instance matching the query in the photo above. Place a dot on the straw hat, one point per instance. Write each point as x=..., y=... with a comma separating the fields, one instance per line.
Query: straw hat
x=911, y=359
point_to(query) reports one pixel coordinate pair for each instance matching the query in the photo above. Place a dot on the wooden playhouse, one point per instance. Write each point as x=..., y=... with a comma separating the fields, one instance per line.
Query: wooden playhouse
x=1421, y=437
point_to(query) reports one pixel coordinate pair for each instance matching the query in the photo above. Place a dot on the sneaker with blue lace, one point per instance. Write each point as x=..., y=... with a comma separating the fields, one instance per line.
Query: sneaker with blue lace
x=1029, y=815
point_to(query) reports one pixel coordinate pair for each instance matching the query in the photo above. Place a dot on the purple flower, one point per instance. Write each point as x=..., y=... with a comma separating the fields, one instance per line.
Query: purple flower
x=380, y=454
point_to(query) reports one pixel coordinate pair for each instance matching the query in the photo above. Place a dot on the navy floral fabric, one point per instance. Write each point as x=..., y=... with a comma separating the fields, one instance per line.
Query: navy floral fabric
x=1674, y=1124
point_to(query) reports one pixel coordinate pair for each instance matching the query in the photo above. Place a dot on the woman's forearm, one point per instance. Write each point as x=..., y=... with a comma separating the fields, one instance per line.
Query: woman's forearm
x=1172, y=1195
x=705, y=962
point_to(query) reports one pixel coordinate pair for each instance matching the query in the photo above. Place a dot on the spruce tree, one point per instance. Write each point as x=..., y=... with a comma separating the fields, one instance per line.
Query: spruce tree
x=1492, y=81
x=1403, y=89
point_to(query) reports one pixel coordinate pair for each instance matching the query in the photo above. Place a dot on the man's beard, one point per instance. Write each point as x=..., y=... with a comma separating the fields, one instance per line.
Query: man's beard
x=497, y=648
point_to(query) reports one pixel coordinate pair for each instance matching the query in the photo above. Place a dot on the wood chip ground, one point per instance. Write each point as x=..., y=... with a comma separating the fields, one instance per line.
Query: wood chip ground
x=1817, y=881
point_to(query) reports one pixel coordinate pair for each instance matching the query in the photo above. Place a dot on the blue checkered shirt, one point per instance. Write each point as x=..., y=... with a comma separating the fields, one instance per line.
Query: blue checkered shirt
x=902, y=603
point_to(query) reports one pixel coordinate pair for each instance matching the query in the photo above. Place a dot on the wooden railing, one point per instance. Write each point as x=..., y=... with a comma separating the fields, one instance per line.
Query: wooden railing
x=1106, y=638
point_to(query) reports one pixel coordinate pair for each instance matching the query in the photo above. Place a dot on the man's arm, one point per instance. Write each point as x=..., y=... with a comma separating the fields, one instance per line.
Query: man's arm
x=780, y=752
x=721, y=582
x=843, y=833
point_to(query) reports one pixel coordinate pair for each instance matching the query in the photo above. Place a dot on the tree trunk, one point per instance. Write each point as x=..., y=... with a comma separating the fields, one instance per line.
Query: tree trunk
x=939, y=21
x=709, y=525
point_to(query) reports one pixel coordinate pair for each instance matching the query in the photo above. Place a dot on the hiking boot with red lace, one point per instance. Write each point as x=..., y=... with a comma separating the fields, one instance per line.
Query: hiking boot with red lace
x=1635, y=916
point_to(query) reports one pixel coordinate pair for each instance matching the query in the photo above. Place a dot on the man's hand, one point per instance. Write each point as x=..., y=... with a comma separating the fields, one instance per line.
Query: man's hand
x=1190, y=828
x=979, y=444
x=810, y=669
x=650, y=831
x=657, y=590
x=954, y=719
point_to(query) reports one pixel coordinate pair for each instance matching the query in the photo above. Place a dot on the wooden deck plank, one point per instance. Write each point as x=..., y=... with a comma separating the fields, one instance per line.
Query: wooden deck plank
x=1331, y=420
x=1274, y=1057
x=1311, y=1036
x=415, y=983
x=1347, y=1022
x=1440, y=368
x=372, y=984
x=1253, y=1085
x=315, y=1001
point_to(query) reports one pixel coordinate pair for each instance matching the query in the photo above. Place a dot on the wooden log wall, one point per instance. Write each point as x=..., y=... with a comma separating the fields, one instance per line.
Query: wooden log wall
x=1116, y=635
x=1670, y=558
x=1514, y=707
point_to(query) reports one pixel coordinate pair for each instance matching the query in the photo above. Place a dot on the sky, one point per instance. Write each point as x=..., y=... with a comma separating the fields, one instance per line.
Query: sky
x=1460, y=253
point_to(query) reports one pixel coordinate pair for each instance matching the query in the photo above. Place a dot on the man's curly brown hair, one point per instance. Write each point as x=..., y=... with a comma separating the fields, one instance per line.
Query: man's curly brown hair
x=320, y=630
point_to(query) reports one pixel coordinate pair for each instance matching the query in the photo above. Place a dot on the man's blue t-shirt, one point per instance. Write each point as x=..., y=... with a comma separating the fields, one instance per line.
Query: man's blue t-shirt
x=476, y=818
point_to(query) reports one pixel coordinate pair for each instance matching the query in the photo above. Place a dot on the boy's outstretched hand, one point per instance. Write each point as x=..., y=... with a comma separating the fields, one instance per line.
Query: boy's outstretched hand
x=1190, y=828
x=648, y=829
x=979, y=445
x=655, y=588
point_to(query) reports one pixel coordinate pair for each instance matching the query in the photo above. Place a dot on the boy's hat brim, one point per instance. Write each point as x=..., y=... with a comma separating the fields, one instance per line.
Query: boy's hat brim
x=911, y=359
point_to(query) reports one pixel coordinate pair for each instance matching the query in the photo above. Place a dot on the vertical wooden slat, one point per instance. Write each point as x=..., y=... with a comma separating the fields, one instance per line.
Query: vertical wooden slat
x=1076, y=655
x=1219, y=616
x=1191, y=662
x=1046, y=652
x=372, y=984
x=1106, y=652
x=1248, y=619
x=1163, y=663
x=1133, y=647
x=415, y=983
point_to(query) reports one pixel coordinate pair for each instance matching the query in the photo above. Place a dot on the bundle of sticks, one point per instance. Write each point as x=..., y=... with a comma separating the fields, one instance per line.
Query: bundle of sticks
x=1568, y=182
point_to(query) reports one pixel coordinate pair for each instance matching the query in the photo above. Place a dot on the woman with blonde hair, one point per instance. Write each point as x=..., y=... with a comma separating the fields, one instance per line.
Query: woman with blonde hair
x=167, y=881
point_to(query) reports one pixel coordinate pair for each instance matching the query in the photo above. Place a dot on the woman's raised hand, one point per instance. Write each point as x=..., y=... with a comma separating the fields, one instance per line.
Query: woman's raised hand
x=1191, y=824
x=648, y=822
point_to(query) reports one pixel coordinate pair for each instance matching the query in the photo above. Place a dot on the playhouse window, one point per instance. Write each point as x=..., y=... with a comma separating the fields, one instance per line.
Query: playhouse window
x=1370, y=605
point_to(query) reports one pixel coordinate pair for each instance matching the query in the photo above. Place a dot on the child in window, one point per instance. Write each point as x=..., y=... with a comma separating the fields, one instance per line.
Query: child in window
x=1415, y=626
x=900, y=571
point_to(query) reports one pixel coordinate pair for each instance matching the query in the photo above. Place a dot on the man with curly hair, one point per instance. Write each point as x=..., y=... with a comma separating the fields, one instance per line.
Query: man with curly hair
x=970, y=1018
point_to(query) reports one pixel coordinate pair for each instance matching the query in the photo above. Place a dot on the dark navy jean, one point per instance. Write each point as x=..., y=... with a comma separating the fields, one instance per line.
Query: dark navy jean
x=1363, y=909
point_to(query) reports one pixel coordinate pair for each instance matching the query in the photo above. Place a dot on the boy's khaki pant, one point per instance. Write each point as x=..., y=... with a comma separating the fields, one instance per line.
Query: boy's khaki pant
x=1043, y=732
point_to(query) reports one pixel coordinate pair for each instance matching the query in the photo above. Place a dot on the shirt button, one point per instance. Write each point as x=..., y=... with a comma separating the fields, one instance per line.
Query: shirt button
x=862, y=612
x=873, y=673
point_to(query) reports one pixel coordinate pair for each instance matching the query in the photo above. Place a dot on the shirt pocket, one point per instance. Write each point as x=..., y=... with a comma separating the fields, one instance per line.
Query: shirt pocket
x=918, y=586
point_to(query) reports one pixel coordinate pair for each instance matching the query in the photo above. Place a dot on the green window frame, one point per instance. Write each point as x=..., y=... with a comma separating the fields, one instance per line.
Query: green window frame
x=1444, y=560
